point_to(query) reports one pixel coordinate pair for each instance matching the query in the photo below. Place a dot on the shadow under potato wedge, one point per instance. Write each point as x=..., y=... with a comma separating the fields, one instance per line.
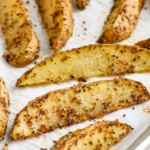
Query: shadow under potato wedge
x=86, y=62
x=57, y=17
x=121, y=21
x=98, y=136
x=81, y=4
x=4, y=108
x=74, y=105
x=21, y=41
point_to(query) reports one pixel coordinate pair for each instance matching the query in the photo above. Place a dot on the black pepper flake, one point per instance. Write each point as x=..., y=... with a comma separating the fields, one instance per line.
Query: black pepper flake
x=90, y=143
x=82, y=80
x=72, y=76
x=83, y=22
x=27, y=2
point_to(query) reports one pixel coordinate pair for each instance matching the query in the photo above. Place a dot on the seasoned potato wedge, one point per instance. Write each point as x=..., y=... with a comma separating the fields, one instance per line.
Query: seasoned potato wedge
x=144, y=43
x=99, y=136
x=4, y=108
x=75, y=105
x=57, y=16
x=82, y=3
x=21, y=41
x=121, y=21
x=88, y=61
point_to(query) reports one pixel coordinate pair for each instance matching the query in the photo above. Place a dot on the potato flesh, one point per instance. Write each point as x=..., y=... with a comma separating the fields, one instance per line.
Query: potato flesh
x=75, y=105
x=100, y=135
x=21, y=41
x=88, y=61
x=57, y=17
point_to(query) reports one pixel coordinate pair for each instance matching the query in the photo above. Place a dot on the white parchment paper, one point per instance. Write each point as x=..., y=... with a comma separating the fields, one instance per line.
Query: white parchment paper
x=94, y=16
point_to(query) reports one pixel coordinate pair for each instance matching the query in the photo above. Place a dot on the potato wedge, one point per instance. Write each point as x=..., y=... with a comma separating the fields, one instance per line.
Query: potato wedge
x=144, y=43
x=88, y=61
x=77, y=104
x=98, y=136
x=21, y=41
x=81, y=4
x=4, y=108
x=57, y=16
x=121, y=20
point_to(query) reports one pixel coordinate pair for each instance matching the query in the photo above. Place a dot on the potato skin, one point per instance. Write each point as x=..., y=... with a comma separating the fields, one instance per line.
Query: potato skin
x=57, y=17
x=21, y=40
x=74, y=105
x=121, y=21
x=81, y=4
x=86, y=62
x=4, y=108
x=144, y=44
x=91, y=137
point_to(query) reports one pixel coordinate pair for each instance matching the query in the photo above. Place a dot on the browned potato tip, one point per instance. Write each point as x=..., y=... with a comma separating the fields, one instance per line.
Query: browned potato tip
x=81, y=4
x=144, y=44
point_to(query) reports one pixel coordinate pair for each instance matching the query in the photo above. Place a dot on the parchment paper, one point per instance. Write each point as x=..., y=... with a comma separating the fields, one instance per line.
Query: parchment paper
x=94, y=16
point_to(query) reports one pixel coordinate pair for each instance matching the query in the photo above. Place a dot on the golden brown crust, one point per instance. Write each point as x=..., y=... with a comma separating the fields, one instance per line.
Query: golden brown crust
x=21, y=41
x=4, y=108
x=77, y=104
x=88, y=61
x=57, y=17
x=121, y=20
x=101, y=135
x=144, y=44
x=81, y=4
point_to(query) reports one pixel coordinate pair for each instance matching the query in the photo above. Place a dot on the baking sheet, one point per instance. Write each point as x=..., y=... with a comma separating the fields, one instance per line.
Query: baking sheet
x=94, y=16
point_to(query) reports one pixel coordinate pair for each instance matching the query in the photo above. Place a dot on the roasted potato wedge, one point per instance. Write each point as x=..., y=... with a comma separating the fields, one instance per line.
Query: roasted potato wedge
x=21, y=40
x=99, y=136
x=88, y=61
x=57, y=16
x=81, y=4
x=121, y=21
x=144, y=44
x=4, y=108
x=75, y=105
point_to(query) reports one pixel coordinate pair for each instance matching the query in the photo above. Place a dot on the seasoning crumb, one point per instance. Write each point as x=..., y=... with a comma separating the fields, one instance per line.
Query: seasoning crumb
x=124, y=115
x=84, y=22
x=5, y=146
x=145, y=8
x=133, y=108
x=147, y=109
x=27, y=2
x=4, y=56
